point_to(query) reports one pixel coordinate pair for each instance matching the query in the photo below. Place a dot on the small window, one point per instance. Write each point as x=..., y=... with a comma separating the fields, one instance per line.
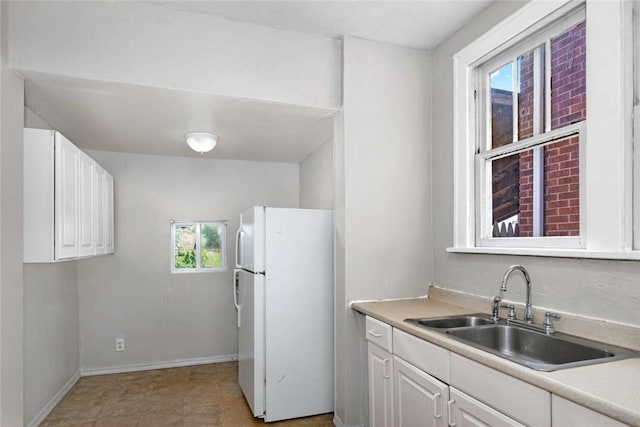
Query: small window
x=198, y=246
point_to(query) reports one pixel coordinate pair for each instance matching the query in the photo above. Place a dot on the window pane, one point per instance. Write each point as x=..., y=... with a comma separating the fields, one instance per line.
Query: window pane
x=502, y=106
x=518, y=178
x=568, y=77
x=531, y=93
x=185, y=246
x=211, y=245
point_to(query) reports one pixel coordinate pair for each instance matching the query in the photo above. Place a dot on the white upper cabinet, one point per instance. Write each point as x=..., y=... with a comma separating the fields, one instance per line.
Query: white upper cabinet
x=68, y=200
x=99, y=198
x=86, y=217
x=109, y=231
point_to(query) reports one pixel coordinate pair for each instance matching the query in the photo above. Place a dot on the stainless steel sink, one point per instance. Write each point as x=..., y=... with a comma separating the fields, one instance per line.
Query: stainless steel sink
x=527, y=347
x=453, y=321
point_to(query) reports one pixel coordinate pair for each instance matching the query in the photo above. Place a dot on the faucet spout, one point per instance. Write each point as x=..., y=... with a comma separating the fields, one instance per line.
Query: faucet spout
x=528, y=315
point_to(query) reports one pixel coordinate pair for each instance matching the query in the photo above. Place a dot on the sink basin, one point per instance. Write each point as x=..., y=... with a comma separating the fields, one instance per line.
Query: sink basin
x=527, y=347
x=453, y=321
x=537, y=350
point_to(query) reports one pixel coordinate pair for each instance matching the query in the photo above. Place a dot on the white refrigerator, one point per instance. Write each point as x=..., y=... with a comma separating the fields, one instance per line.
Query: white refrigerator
x=283, y=290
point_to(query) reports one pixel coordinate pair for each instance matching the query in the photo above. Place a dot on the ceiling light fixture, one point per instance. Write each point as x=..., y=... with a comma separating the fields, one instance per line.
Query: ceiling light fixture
x=201, y=142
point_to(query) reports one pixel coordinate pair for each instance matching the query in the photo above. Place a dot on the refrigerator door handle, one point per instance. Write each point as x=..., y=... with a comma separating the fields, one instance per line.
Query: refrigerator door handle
x=236, y=292
x=238, y=253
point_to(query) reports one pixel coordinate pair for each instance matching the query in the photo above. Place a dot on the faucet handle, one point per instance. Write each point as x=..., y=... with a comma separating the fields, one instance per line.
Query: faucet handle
x=548, y=321
x=512, y=311
x=495, y=307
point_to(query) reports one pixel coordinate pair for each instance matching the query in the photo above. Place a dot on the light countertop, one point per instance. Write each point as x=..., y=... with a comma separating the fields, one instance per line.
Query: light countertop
x=611, y=388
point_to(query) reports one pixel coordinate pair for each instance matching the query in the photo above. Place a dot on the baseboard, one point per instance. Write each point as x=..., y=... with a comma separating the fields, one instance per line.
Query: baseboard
x=85, y=372
x=39, y=418
x=338, y=422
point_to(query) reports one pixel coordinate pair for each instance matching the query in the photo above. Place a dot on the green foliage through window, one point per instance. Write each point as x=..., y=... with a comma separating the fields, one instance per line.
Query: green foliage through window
x=203, y=238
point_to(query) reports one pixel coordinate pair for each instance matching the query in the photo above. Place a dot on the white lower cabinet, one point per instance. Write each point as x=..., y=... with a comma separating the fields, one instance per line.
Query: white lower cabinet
x=414, y=383
x=419, y=398
x=465, y=411
x=566, y=413
x=380, y=386
x=517, y=399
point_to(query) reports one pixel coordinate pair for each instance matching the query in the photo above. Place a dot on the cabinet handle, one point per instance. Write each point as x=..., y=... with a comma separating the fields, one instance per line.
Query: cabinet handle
x=450, y=413
x=436, y=397
x=385, y=372
x=374, y=333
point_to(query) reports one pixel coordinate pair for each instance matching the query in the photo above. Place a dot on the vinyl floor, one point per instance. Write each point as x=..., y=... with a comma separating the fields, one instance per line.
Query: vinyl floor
x=205, y=395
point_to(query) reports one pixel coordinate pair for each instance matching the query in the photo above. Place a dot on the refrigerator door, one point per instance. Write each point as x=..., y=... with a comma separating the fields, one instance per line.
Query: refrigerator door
x=251, y=369
x=299, y=313
x=251, y=240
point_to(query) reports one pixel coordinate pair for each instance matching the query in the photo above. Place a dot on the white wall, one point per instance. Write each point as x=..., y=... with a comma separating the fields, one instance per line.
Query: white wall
x=32, y=120
x=386, y=209
x=132, y=294
x=144, y=44
x=316, y=178
x=11, y=297
x=602, y=289
x=51, y=330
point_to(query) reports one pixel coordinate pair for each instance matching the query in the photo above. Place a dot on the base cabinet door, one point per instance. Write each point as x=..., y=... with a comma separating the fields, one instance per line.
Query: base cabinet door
x=566, y=413
x=420, y=399
x=380, y=387
x=465, y=411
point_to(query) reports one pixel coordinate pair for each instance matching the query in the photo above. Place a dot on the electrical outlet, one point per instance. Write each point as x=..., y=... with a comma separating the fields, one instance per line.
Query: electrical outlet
x=120, y=344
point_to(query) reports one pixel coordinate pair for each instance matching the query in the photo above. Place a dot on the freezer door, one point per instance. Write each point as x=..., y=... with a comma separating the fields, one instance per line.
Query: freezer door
x=251, y=369
x=251, y=240
x=299, y=313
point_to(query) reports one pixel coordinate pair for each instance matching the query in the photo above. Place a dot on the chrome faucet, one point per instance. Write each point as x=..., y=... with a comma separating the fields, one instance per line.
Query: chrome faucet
x=528, y=315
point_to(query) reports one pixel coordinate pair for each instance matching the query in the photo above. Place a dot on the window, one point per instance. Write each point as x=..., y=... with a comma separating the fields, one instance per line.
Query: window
x=534, y=173
x=531, y=119
x=198, y=246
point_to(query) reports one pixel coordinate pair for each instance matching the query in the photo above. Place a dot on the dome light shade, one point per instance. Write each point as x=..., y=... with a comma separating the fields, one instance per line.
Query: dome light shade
x=201, y=142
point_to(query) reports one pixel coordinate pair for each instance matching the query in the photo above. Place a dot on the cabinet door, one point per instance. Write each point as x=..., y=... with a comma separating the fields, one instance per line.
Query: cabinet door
x=109, y=238
x=66, y=198
x=380, y=387
x=420, y=399
x=99, y=184
x=464, y=411
x=566, y=413
x=86, y=213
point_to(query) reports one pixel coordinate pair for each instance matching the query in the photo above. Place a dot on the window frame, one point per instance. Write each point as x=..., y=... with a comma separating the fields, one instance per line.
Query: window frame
x=484, y=152
x=199, y=269
x=607, y=217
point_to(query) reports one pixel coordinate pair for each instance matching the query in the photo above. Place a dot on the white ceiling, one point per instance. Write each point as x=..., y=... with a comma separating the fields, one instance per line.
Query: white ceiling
x=421, y=24
x=137, y=119
x=141, y=119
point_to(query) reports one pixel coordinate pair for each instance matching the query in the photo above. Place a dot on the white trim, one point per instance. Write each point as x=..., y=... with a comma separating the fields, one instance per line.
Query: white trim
x=512, y=29
x=606, y=212
x=636, y=126
x=177, y=363
x=609, y=109
x=338, y=422
x=541, y=59
x=39, y=418
x=550, y=252
x=547, y=138
x=636, y=174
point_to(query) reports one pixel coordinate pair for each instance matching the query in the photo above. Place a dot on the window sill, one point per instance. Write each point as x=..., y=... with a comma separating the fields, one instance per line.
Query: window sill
x=548, y=252
x=211, y=270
